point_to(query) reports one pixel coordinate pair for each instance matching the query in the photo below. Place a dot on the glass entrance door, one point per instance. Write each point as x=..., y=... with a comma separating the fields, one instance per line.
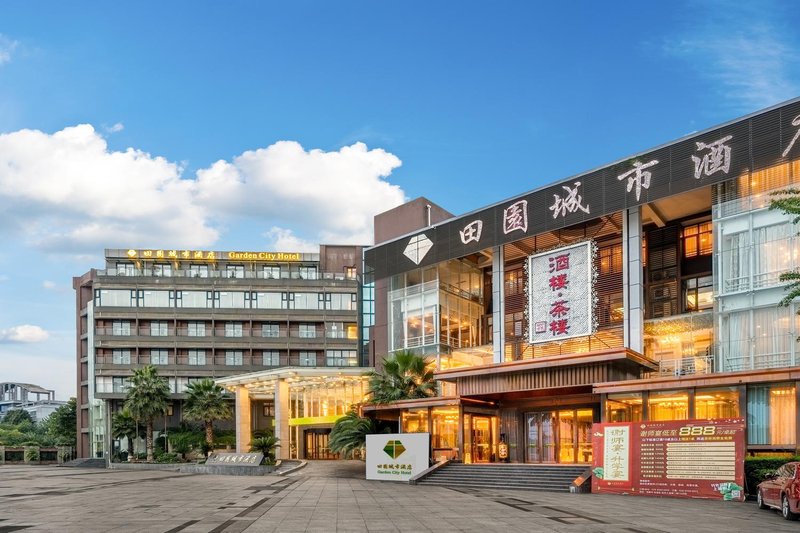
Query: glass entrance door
x=317, y=444
x=481, y=439
x=541, y=437
x=563, y=436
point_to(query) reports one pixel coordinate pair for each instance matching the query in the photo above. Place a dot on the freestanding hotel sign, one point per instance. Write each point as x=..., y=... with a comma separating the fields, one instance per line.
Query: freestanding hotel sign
x=397, y=456
x=680, y=459
x=560, y=293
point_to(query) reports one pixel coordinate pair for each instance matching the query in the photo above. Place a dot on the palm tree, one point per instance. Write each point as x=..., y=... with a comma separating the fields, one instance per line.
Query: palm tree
x=350, y=432
x=266, y=445
x=123, y=425
x=405, y=376
x=206, y=401
x=147, y=397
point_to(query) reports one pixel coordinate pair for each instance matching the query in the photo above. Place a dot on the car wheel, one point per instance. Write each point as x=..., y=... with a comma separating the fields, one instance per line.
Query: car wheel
x=785, y=510
x=760, y=501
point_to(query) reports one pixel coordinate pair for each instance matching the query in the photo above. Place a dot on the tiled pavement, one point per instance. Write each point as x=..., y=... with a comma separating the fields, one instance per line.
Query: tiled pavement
x=333, y=496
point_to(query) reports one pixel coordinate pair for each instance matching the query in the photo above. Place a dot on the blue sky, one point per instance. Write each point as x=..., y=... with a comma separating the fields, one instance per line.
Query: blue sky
x=243, y=124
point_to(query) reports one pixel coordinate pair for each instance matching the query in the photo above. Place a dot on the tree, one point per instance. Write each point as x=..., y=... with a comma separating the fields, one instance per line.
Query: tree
x=266, y=445
x=147, y=398
x=124, y=425
x=61, y=424
x=405, y=376
x=788, y=201
x=207, y=402
x=350, y=432
x=16, y=417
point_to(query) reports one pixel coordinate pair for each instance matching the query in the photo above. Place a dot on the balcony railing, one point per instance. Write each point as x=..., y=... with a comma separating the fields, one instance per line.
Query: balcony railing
x=686, y=366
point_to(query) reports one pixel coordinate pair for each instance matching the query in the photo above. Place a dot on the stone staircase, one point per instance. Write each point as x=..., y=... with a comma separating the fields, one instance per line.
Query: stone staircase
x=554, y=478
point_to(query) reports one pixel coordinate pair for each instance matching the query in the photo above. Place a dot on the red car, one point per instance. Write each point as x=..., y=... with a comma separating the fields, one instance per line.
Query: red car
x=782, y=491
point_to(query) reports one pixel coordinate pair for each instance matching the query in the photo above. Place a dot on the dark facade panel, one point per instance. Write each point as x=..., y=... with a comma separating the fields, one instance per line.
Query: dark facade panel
x=713, y=156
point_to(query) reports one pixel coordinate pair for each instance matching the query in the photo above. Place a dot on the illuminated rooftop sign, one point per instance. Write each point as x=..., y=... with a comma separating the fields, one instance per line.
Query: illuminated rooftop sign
x=204, y=255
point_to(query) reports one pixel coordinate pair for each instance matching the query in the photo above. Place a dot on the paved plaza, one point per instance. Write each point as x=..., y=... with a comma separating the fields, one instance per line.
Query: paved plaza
x=333, y=496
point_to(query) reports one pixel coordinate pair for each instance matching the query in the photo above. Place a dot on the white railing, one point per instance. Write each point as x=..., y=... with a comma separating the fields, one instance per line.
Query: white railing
x=686, y=366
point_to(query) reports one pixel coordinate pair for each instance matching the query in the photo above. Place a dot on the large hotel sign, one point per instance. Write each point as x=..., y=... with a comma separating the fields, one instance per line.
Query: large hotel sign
x=722, y=153
x=560, y=293
x=203, y=255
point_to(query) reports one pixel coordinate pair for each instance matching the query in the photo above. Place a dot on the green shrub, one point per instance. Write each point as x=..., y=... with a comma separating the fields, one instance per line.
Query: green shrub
x=167, y=458
x=756, y=469
x=32, y=455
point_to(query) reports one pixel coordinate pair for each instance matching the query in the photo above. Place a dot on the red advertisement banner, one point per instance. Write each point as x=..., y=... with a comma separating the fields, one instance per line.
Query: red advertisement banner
x=676, y=459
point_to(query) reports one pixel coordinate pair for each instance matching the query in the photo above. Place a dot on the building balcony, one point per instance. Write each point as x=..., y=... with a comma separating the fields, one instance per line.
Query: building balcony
x=178, y=274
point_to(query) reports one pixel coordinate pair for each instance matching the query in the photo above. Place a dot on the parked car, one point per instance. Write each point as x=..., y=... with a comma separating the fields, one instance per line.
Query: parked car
x=781, y=491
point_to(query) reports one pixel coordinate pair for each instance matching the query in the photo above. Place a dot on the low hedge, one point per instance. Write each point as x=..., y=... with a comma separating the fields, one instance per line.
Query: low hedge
x=756, y=469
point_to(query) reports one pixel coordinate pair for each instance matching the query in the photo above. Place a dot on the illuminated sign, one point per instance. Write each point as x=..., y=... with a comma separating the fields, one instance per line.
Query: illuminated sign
x=201, y=255
x=676, y=458
x=397, y=457
x=560, y=293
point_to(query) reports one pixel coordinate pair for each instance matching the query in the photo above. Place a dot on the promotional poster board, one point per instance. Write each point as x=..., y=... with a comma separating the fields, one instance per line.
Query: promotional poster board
x=397, y=456
x=678, y=459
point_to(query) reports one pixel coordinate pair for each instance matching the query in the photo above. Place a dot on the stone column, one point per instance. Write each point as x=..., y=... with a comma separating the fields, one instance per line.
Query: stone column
x=244, y=426
x=498, y=305
x=633, y=286
x=282, y=419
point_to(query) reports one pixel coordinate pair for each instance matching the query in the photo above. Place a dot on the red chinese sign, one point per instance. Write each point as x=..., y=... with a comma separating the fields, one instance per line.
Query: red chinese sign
x=678, y=459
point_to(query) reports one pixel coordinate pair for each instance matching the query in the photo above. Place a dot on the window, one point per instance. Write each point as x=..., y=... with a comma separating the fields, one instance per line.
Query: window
x=698, y=293
x=233, y=357
x=234, y=271
x=611, y=259
x=230, y=300
x=197, y=357
x=697, y=240
x=197, y=299
x=198, y=271
x=341, y=301
x=668, y=405
x=268, y=300
x=125, y=269
x=162, y=269
x=334, y=330
x=624, y=407
x=196, y=329
x=308, y=272
x=270, y=330
x=350, y=272
x=271, y=358
x=771, y=414
x=514, y=282
x=514, y=324
x=121, y=357
x=158, y=357
x=341, y=357
x=233, y=329
x=716, y=403
x=269, y=409
x=155, y=299
x=272, y=272
x=115, y=298
x=307, y=331
x=120, y=384
x=120, y=327
x=158, y=329
x=308, y=358
x=304, y=300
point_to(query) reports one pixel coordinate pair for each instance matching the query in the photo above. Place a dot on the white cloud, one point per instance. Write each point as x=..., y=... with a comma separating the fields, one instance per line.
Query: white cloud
x=67, y=192
x=332, y=195
x=119, y=126
x=745, y=50
x=285, y=239
x=7, y=46
x=49, y=285
x=24, y=333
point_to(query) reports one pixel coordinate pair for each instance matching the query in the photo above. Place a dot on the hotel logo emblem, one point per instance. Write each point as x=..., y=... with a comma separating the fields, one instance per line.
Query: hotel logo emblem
x=394, y=448
x=417, y=248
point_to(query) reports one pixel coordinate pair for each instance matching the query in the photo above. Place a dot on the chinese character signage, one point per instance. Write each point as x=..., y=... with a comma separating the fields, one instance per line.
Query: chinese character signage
x=678, y=458
x=398, y=456
x=561, y=293
x=204, y=255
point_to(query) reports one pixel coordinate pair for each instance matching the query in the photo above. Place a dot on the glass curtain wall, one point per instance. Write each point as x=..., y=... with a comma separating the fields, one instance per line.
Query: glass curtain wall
x=771, y=414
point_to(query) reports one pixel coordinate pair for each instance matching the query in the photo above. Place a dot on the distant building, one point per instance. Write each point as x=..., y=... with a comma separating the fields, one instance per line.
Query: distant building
x=36, y=400
x=198, y=314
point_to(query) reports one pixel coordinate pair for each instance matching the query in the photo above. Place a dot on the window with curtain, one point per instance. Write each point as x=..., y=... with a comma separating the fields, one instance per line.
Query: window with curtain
x=697, y=240
x=771, y=414
x=716, y=403
x=735, y=262
x=772, y=253
x=668, y=405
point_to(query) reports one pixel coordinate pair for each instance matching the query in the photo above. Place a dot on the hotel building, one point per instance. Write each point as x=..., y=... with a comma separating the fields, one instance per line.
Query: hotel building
x=644, y=290
x=197, y=314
